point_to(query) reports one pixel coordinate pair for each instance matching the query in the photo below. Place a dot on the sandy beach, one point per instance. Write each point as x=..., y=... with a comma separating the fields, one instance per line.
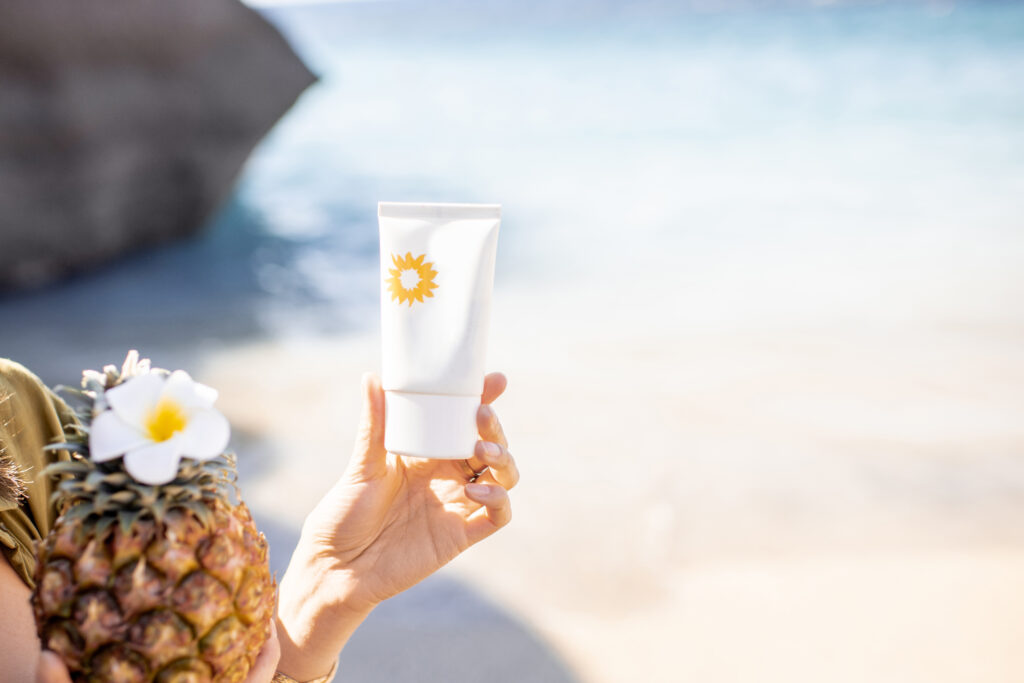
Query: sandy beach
x=727, y=501
x=797, y=505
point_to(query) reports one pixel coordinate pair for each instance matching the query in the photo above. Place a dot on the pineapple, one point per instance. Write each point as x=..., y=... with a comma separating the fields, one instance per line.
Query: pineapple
x=140, y=582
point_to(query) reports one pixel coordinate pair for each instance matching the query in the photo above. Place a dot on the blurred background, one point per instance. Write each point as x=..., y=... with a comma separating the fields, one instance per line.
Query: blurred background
x=759, y=296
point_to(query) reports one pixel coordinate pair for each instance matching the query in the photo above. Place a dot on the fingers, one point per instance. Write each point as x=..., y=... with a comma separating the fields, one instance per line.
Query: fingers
x=369, y=454
x=489, y=426
x=51, y=669
x=494, y=386
x=265, y=666
x=495, y=513
x=503, y=468
x=490, y=431
x=487, y=423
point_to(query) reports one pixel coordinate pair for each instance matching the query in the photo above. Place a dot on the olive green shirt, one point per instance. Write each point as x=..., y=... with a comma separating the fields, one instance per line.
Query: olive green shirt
x=31, y=417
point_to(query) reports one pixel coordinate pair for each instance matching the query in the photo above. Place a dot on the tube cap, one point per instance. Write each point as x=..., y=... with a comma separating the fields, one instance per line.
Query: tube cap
x=430, y=425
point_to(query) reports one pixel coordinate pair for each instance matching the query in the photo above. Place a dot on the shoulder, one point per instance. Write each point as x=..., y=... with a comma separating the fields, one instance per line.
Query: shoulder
x=31, y=418
x=28, y=409
x=15, y=379
x=23, y=396
x=14, y=375
x=18, y=384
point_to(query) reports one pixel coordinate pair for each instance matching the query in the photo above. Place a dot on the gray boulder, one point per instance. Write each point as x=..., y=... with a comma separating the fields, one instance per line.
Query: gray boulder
x=124, y=124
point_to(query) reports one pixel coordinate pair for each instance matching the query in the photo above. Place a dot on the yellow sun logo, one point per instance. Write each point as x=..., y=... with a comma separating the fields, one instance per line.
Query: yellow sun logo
x=411, y=278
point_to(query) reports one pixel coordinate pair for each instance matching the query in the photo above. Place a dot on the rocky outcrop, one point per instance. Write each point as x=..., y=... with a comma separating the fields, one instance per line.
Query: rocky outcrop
x=124, y=123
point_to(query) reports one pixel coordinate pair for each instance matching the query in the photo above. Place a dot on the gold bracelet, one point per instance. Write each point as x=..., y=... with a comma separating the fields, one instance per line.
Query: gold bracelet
x=285, y=678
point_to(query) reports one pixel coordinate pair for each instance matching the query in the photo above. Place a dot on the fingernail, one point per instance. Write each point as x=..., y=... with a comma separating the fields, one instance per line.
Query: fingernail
x=487, y=412
x=480, y=490
x=491, y=450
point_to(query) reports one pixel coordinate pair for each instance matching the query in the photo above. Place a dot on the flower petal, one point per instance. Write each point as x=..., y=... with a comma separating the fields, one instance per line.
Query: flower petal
x=206, y=435
x=155, y=463
x=111, y=437
x=188, y=393
x=134, y=399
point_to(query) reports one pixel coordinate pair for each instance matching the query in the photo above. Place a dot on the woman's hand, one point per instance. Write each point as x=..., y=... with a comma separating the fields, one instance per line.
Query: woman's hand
x=390, y=522
x=51, y=668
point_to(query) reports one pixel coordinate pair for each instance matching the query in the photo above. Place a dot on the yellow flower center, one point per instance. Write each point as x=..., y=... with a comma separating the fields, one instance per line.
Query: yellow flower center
x=165, y=420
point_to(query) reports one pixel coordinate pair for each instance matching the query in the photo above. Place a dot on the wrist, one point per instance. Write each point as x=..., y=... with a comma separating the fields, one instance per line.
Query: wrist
x=280, y=677
x=318, y=585
x=316, y=615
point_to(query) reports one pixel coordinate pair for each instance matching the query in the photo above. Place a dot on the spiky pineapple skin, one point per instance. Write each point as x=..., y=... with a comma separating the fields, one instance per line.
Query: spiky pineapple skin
x=168, y=600
x=156, y=583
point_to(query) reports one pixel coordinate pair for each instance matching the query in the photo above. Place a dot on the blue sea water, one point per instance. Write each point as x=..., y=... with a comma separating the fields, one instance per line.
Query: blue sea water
x=789, y=163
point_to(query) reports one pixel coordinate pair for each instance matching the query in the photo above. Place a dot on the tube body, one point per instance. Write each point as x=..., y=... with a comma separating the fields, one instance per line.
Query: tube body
x=437, y=273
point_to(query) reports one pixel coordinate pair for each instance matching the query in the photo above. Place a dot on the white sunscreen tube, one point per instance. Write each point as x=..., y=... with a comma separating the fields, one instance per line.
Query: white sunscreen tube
x=437, y=272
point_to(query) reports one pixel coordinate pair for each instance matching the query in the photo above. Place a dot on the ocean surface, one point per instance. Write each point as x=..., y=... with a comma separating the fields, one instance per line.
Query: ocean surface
x=790, y=165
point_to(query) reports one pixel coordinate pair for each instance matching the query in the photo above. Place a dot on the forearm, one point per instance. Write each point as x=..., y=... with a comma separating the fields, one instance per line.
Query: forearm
x=314, y=617
x=19, y=654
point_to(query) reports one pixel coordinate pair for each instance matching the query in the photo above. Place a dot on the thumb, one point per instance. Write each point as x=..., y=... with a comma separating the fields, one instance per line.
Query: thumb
x=370, y=457
x=51, y=669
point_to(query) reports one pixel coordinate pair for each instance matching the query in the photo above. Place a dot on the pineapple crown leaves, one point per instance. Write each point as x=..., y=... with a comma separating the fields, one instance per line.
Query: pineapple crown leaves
x=105, y=490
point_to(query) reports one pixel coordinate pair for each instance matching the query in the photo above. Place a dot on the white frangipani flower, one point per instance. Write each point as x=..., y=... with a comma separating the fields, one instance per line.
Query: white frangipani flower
x=153, y=421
